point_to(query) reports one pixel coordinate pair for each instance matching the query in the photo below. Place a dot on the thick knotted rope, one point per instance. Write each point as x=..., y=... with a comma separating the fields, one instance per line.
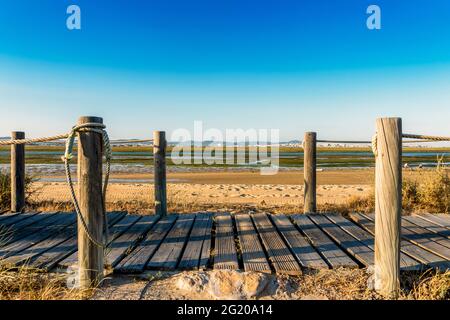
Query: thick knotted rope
x=424, y=137
x=33, y=140
x=100, y=129
x=420, y=137
x=374, y=145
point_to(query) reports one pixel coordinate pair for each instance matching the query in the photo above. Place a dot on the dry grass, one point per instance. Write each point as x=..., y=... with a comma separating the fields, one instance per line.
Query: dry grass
x=430, y=193
x=338, y=284
x=429, y=285
x=351, y=284
x=26, y=284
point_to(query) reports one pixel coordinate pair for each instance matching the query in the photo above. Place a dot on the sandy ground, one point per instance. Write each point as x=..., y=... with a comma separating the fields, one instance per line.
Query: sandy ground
x=292, y=177
x=208, y=196
x=237, y=285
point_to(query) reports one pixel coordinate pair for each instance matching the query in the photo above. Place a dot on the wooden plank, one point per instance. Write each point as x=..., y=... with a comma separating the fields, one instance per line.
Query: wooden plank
x=128, y=240
x=60, y=235
x=50, y=258
x=423, y=238
x=20, y=229
x=430, y=226
x=225, y=255
x=306, y=255
x=169, y=252
x=424, y=256
x=350, y=244
x=6, y=216
x=15, y=218
x=253, y=254
x=406, y=262
x=115, y=232
x=435, y=219
x=445, y=217
x=420, y=234
x=136, y=261
x=53, y=224
x=279, y=255
x=200, y=231
x=205, y=255
x=327, y=248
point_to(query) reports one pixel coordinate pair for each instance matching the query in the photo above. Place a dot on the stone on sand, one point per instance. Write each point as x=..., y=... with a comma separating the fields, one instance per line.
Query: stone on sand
x=228, y=284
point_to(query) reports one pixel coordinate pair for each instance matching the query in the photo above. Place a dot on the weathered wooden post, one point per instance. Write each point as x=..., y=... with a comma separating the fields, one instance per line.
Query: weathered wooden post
x=388, y=205
x=90, y=255
x=159, y=158
x=17, y=173
x=309, y=172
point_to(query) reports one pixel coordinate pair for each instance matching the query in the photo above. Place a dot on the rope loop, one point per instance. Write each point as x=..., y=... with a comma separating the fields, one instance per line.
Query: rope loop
x=100, y=129
x=375, y=144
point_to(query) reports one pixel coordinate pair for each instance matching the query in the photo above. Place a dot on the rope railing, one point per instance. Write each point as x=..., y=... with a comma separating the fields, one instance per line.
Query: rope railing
x=62, y=139
x=425, y=137
x=33, y=140
x=70, y=141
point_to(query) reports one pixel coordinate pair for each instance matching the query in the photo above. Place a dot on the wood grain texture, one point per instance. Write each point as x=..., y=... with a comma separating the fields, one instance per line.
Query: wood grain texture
x=388, y=206
x=37, y=233
x=278, y=253
x=428, y=259
x=48, y=259
x=17, y=173
x=306, y=255
x=436, y=219
x=90, y=255
x=136, y=261
x=406, y=262
x=115, y=231
x=128, y=240
x=169, y=253
x=225, y=254
x=430, y=226
x=193, y=251
x=334, y=255
x=309, y=171
x=253, y=255
x=353, y=246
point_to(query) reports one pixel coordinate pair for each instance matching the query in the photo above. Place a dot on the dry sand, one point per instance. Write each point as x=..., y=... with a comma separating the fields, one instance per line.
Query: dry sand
x=138, y=197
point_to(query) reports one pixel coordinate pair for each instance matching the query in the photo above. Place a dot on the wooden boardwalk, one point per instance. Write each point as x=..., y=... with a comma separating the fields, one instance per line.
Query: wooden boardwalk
x=285, y=244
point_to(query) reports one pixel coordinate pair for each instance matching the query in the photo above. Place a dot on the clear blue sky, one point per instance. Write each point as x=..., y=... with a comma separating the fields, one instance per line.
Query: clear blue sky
x=288, y=64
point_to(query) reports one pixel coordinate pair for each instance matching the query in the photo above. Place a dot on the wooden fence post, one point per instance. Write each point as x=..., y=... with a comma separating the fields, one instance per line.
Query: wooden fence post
x=159, y=160
x=388, y=206
x=309, y=172
x=90, y=255
x=17, y=173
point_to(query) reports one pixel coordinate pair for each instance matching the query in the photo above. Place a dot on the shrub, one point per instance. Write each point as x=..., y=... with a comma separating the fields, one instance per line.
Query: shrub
x=5, y=190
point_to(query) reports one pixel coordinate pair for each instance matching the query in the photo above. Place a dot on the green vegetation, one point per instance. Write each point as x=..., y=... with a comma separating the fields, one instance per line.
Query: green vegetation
x=5, y=190
x=289, y=157
x=430, y=192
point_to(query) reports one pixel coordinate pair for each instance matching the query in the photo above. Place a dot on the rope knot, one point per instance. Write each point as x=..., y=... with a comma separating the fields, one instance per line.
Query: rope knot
x=375, y=145
x=68, y=155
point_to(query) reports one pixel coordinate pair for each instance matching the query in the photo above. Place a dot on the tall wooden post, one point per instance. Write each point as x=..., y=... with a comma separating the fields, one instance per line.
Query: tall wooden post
x=17, y=173
x=309, y=172
x=159, y=157
x=388, y=206
x=90, y=255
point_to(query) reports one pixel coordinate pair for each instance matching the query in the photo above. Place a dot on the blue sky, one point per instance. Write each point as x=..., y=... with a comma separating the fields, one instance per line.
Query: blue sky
x=288, y=64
